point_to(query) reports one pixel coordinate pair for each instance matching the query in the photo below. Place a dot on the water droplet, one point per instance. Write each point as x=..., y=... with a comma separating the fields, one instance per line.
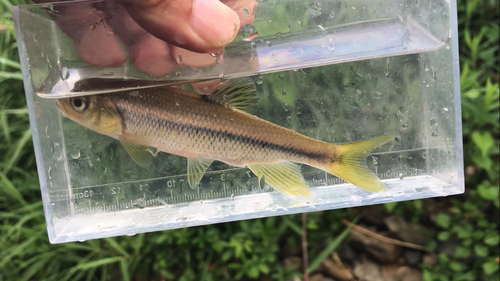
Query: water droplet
x=232, y=197
x=217, y=54
x=75, y=155
x=332, y=15
x=400, y=18
x=178, y=74
x=283, y=92
x=279, y=35
x=179, y=59
x=433, y=121
x=375, y=160
x=404, y=126
x=401, y=176
x=289, y=118
x=221, y=75
x=282, y=77
x=249, y=32
x=434, y=133
x=285, y=107
x=268, y=43
x=260, y=79
x=445, y=109
x=253, y=45
x=247, y=14
x=378, y=95
x=52, y=204
x=64, y=73
x=177, y=103
x=81, y=240
x=329, y=43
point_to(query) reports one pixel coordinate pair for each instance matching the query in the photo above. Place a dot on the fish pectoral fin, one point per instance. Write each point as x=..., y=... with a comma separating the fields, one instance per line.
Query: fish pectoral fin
x=138, y=152
x=196, y=169
x=240, y=94
x=284, y=176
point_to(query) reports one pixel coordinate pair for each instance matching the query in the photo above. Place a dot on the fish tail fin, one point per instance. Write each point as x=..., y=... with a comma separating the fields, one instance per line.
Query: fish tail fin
x=350, y=163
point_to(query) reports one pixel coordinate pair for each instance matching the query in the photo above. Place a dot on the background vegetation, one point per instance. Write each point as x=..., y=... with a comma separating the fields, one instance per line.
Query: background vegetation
x=253, y=249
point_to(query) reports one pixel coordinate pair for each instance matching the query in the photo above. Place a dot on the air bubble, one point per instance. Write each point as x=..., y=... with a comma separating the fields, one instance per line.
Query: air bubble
x=283, y=92
x=404, y=126
x=433, y=121
x=332, y=15
x=260, y=79
x=285, y=107
x=268, y=43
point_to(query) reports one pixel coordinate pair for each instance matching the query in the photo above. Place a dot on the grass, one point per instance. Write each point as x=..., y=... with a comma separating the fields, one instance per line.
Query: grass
x=249, y=249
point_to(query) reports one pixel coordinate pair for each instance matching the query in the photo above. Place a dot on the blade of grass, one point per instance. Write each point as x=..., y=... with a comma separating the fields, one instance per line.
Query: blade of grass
x=330, y=248
x=11, y=63
x=11, y=75
x=17, y=152
x=10, y=190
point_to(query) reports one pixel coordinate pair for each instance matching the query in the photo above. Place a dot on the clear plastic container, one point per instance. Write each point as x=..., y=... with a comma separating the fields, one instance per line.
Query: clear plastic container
x=336, y=72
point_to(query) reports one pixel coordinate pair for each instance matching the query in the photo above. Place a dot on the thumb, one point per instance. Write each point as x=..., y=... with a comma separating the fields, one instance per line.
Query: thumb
x=203, y=26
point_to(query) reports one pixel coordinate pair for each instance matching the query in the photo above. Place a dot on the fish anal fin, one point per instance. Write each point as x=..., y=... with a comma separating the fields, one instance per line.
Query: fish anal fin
x=137, y=151
x=284, y=176
x=196, y=169
x=239, y=94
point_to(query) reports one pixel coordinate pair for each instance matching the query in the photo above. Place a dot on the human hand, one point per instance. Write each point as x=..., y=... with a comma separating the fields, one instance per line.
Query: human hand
x=159, y=35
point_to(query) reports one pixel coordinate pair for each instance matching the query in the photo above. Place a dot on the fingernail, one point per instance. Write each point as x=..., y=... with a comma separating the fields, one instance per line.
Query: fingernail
x=214, y=22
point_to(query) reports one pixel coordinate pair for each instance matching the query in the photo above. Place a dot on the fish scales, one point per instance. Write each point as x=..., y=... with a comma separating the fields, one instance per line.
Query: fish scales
x=190, y=125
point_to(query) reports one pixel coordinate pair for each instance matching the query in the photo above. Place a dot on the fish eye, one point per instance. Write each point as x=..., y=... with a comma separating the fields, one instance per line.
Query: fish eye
x=79, y=104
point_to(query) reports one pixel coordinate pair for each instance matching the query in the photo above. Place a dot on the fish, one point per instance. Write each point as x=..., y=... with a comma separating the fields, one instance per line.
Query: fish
x=220, y=126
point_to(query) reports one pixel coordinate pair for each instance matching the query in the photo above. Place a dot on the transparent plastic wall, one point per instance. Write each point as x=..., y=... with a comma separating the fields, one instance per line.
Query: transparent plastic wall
x=336, y=72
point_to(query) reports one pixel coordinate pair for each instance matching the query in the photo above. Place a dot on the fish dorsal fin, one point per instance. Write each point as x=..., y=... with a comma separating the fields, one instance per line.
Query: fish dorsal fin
x=196, y=168
x=284, y=176
x=240, y=94
x=138, y=152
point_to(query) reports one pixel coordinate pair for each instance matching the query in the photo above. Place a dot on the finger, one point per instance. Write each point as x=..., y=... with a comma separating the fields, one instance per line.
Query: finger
x=245, y=9
x=203, y=26
x=192, y=59
x=94, y=40
x=148, y=53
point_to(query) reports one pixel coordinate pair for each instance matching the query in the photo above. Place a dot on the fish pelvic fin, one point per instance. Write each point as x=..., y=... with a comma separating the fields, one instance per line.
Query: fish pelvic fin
x=138, y=152
x=284, y=176
x=196, y=169
x=239, y=94
x=349, y=163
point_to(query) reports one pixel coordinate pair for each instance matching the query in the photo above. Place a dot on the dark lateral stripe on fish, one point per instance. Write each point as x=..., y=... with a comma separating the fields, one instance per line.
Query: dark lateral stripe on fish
x=244, y=139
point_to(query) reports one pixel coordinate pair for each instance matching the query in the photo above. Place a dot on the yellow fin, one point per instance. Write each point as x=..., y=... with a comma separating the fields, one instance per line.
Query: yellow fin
x=138, y=152
x=196, y=168
x=284, y=176
x=239, y=94
x=350, y=163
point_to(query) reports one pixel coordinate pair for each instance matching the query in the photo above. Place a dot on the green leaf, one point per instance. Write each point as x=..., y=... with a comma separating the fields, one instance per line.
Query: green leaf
x=484, y=141
x=472, y=93
x=443, y=220
x=462, y=252
x=264, y=268
x=481, y=250
x=443, y=236
x=492, y=239
x=490, y=267
x=390, y=206
x=457, y=266
x=488, y=192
